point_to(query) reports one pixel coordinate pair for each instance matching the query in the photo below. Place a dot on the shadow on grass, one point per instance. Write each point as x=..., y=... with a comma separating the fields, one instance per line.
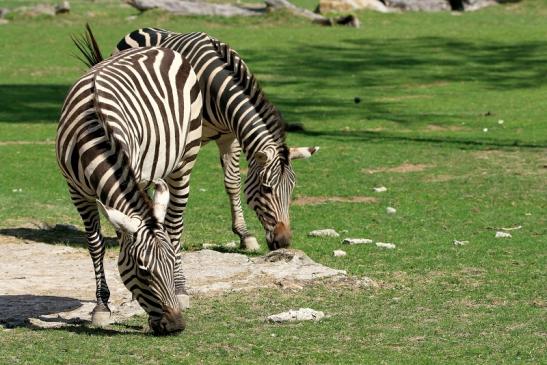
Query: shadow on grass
x=378, y=137
x=15, y=310
x=59, y=234
x=18, y=310
x=31, y=103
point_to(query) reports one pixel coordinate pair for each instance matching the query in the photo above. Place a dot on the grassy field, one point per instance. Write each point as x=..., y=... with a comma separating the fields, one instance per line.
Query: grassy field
x=433, y=90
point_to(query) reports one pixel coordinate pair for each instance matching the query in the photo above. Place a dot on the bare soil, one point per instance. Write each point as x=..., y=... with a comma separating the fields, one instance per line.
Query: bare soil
x=404, y=168
x=52, y=285
x=314, y=200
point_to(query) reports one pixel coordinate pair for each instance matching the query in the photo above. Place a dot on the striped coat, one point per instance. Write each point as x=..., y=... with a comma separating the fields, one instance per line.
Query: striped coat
x=131, y=123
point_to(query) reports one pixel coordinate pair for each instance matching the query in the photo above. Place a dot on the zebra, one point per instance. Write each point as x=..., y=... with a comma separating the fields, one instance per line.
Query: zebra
x=133, y=122
x=237, y=116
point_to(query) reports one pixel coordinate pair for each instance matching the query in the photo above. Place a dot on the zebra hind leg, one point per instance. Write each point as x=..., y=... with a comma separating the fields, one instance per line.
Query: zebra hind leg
x=230, y=151
x=95, y=242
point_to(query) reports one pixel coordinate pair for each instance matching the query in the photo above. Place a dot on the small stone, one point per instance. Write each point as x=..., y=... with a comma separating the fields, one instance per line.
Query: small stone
x=387, y=246
x=62, y=8
x=485, y=130
x=391, y=210
x=500, y=122
x=380, y=189
x=356, y=241
x=202, y=190
x=339, y=253
x=324, y=233
x=500, y=234
x=460, y=243
x=209, y=246
x=231, y=244
x=302, y=314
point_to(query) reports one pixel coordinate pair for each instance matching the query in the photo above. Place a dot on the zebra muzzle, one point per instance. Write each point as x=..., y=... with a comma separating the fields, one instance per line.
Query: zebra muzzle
x=170, y=322
x=281, y=237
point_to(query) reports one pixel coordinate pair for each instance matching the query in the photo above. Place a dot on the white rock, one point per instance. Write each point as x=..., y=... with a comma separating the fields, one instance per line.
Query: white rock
x=485, y=130
x=388, y=246
x=511, y=228
x=339, y=253
x=293, y=315
x=391, y=210
x=209, y=246
x=500, y=234
x=202, y=190
x=460, y=243
x=231, y=244
x=500, y=122
x=356, y=241
x=324, y=233
x=380, y=189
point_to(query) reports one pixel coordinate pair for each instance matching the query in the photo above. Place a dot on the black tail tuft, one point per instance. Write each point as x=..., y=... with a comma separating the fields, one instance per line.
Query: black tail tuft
x=87, y=44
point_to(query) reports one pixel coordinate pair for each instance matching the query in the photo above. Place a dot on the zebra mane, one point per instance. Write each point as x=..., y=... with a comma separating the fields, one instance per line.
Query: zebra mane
x=241, y=72
x=88, y=46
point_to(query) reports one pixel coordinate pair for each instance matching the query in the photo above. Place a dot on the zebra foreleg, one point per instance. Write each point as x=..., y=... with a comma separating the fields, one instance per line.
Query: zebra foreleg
x=95, y=243
x=230, y=151
x=179, y=190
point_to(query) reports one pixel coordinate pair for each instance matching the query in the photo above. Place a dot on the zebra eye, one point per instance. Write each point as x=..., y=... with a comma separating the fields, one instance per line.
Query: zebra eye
x=142, y=272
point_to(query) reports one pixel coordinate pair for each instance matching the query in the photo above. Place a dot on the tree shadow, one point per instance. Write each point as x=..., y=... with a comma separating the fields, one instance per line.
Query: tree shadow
x=373, y=68
x=31, y=103
x=378, y=137
x=59, y=234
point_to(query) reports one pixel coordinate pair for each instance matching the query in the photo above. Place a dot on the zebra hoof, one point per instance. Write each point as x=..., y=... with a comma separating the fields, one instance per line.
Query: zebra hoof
x=250, y=243
x=184, y=301
x=100, y=317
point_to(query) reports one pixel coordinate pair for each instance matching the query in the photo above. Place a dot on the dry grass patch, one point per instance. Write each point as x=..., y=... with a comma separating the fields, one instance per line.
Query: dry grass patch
x=404, y=168
x=314, y=200
x=440, y=128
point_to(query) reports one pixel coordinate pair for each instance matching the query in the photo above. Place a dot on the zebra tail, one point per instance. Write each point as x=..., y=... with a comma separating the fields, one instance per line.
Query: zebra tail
x=87, y=45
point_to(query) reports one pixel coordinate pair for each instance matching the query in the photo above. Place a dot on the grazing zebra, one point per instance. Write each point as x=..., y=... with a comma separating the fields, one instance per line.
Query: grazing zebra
x=237, y=115
x=132, y=122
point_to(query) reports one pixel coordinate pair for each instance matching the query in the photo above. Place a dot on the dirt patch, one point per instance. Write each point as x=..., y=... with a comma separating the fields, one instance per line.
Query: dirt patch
x=315, y=200
x=403, y=169
x=51, y=285
x=439, y=128
x=11, y=143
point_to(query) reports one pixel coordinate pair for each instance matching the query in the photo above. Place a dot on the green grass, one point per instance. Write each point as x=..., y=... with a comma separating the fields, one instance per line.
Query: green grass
x=429, y=85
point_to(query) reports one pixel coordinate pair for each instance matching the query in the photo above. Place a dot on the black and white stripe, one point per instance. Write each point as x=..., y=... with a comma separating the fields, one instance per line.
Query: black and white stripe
x=131, y=123
x=237, y=116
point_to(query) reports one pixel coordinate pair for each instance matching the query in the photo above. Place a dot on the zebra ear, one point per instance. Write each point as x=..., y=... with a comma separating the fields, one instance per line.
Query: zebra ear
x=161, y=200
x=119, y=220
x=296, y=153
x=261, y=158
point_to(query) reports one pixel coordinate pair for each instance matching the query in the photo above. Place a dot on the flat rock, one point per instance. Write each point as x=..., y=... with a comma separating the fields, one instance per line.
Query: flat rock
x=339, y=253
x=50, y=285
x=387, y=246
x=324, y=233
x=356, y=241
x=294, y=315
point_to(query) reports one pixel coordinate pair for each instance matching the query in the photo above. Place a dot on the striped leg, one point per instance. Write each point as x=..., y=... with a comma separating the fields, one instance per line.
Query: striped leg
x=95, y=243
x=179, y=191
x=230, y=150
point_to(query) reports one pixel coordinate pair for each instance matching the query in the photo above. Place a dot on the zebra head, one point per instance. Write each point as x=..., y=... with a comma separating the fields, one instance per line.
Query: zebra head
x=269, y=186
x=147, y=263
